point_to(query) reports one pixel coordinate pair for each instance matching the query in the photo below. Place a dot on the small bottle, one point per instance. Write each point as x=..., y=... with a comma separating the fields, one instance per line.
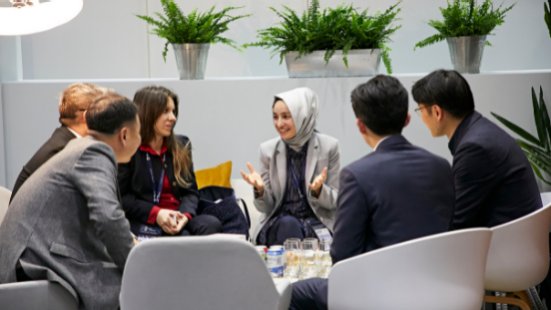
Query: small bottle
x=274, y=261
x=261, y=250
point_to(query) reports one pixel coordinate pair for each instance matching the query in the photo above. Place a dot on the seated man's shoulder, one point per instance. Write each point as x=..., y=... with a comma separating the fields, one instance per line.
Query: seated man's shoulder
x=368, y=164
x=89, y=149
x=431, y=157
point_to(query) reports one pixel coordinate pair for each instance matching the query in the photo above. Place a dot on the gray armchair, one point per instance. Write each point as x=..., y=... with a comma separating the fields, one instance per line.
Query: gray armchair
x=34, y=295
x=200, y=273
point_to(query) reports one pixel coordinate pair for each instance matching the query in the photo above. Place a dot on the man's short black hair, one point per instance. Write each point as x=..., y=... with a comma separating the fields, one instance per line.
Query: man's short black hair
x=110, y=112
x=446, y=88
x=381, y=104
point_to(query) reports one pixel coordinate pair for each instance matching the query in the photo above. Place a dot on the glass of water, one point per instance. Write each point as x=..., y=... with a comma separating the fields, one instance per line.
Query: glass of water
x=309, y=266
x=325, y=261
x=293, y=253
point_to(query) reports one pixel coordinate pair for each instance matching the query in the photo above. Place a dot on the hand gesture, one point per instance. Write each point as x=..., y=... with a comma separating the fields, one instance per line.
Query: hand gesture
x=167, y=220
x=254, y=179
x=317, y=184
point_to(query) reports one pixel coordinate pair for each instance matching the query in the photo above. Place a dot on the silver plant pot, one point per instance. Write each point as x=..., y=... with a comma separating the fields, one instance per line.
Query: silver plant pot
x=362, y=62
x=466, y=53
x=191, y=59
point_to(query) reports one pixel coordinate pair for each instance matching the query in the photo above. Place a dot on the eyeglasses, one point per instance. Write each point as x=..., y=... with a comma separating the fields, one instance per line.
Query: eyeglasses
x=418, y=109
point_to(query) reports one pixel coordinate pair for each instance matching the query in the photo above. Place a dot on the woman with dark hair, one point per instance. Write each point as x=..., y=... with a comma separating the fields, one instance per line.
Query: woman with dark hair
x=158, y=188
x=296, y=188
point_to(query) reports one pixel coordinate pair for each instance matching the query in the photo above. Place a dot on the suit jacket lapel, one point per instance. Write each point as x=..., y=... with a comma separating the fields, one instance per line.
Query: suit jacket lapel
x=281, y=163
x=312, y=156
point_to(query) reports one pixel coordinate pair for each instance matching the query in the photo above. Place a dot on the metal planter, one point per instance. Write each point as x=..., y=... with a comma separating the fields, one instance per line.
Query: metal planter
x=191, y=59
x=466, y=53
x=362, y=62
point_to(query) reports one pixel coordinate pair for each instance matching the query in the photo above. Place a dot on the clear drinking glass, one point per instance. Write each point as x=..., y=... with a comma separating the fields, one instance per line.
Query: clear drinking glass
x=293, y=253
x=309, y=266
x=325, y=261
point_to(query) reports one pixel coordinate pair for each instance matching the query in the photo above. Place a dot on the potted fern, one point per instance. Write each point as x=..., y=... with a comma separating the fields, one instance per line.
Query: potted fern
x=465, y=25
x=340, y=41
x=191, y=34
x=536, y=148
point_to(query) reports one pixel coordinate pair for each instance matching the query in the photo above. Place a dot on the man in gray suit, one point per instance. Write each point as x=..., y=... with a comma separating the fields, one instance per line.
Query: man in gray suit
x=67, y=224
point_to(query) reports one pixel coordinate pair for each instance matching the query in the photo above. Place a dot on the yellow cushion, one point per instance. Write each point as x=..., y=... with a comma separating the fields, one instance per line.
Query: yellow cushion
x=215, y=176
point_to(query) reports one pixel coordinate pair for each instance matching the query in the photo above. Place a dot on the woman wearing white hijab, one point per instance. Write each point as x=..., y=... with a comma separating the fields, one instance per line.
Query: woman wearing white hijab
x=296, y=187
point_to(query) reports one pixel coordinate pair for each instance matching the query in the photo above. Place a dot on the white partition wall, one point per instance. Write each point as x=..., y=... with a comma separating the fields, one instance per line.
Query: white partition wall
x=107, y=41
x=227, y=119
x=3, y=171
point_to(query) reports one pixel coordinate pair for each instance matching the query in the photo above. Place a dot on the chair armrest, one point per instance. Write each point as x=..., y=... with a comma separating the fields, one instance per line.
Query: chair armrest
x=284, y=288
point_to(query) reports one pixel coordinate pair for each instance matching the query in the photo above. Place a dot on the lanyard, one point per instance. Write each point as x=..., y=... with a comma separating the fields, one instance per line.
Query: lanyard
x=157, y=187
x=295, y=178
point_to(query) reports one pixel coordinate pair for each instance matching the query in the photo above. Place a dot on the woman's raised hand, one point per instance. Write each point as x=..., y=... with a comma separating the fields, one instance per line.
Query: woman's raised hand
x=317, y=184
x=254, y=179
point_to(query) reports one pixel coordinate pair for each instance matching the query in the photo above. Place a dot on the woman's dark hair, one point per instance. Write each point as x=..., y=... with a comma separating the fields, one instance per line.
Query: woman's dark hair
x=446, y=88
x=152, y=101
x=109, y=113
x=381, y=104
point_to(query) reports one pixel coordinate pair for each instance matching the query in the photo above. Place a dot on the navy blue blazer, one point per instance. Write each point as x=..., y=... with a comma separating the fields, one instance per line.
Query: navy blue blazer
x=396, y=193
x=494, y=182
x=137, y=189
x=59, y=139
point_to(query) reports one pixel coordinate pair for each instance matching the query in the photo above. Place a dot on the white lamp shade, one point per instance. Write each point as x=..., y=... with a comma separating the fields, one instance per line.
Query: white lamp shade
x=37, y=18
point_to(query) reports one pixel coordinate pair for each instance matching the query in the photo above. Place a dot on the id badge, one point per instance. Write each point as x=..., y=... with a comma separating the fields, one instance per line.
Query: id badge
x=147, y=232
x=323, y=233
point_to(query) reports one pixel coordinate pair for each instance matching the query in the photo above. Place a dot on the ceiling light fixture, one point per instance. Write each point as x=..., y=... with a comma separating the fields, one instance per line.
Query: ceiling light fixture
x=31, y=16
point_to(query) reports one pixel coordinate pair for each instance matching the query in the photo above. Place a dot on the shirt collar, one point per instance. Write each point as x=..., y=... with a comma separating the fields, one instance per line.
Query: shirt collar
x=74, y=133
x=462, y=129
x=379, y=142
x=146, y=148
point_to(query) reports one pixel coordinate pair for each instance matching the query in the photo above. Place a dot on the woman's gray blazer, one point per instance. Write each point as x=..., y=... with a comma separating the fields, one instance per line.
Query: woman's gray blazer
x=323, y=151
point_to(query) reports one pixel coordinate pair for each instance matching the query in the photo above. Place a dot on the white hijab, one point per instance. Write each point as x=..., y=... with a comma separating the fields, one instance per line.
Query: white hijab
x=302, y=102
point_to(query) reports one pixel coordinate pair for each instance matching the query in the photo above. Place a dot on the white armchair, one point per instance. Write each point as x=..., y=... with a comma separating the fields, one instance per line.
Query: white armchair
x=5, y=195
x=200, y=273
x=443, y=271
x=33, y=295
x=518, y=258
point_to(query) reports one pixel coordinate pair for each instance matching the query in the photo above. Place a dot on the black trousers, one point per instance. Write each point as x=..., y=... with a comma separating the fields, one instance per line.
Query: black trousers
x=309, y=294
x=202, y=224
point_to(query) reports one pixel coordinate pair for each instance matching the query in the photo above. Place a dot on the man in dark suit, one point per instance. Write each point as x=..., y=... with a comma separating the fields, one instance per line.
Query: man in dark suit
x=67, y=224
x=74, y=101
x=494, y=182
x=396, y=193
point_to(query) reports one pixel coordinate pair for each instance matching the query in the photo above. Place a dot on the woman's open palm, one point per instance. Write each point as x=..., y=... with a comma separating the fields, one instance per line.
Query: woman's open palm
x=253, y=178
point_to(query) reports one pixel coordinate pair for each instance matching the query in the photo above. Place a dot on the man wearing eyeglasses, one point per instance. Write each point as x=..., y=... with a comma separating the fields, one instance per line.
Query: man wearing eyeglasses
x=396, y=193
x=493, y=180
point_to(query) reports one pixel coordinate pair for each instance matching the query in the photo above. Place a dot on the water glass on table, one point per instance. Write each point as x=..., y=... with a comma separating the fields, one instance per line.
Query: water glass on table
x=293, y=252
x=324, y=260
x=309, y=267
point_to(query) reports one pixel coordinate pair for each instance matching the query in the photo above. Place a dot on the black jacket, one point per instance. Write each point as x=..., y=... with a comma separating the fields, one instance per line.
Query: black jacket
x=494, y=182
x=397, y=193
x=60, y=137
x=137, y=190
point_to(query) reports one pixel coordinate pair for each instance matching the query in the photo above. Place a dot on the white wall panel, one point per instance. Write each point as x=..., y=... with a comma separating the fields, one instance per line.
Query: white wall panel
x=107, y=41
x=3, y=172
x=227, y=119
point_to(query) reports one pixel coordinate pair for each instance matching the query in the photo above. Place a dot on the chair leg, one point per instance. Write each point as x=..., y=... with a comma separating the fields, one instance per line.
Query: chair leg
x=514, y=299
x=535, y=299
